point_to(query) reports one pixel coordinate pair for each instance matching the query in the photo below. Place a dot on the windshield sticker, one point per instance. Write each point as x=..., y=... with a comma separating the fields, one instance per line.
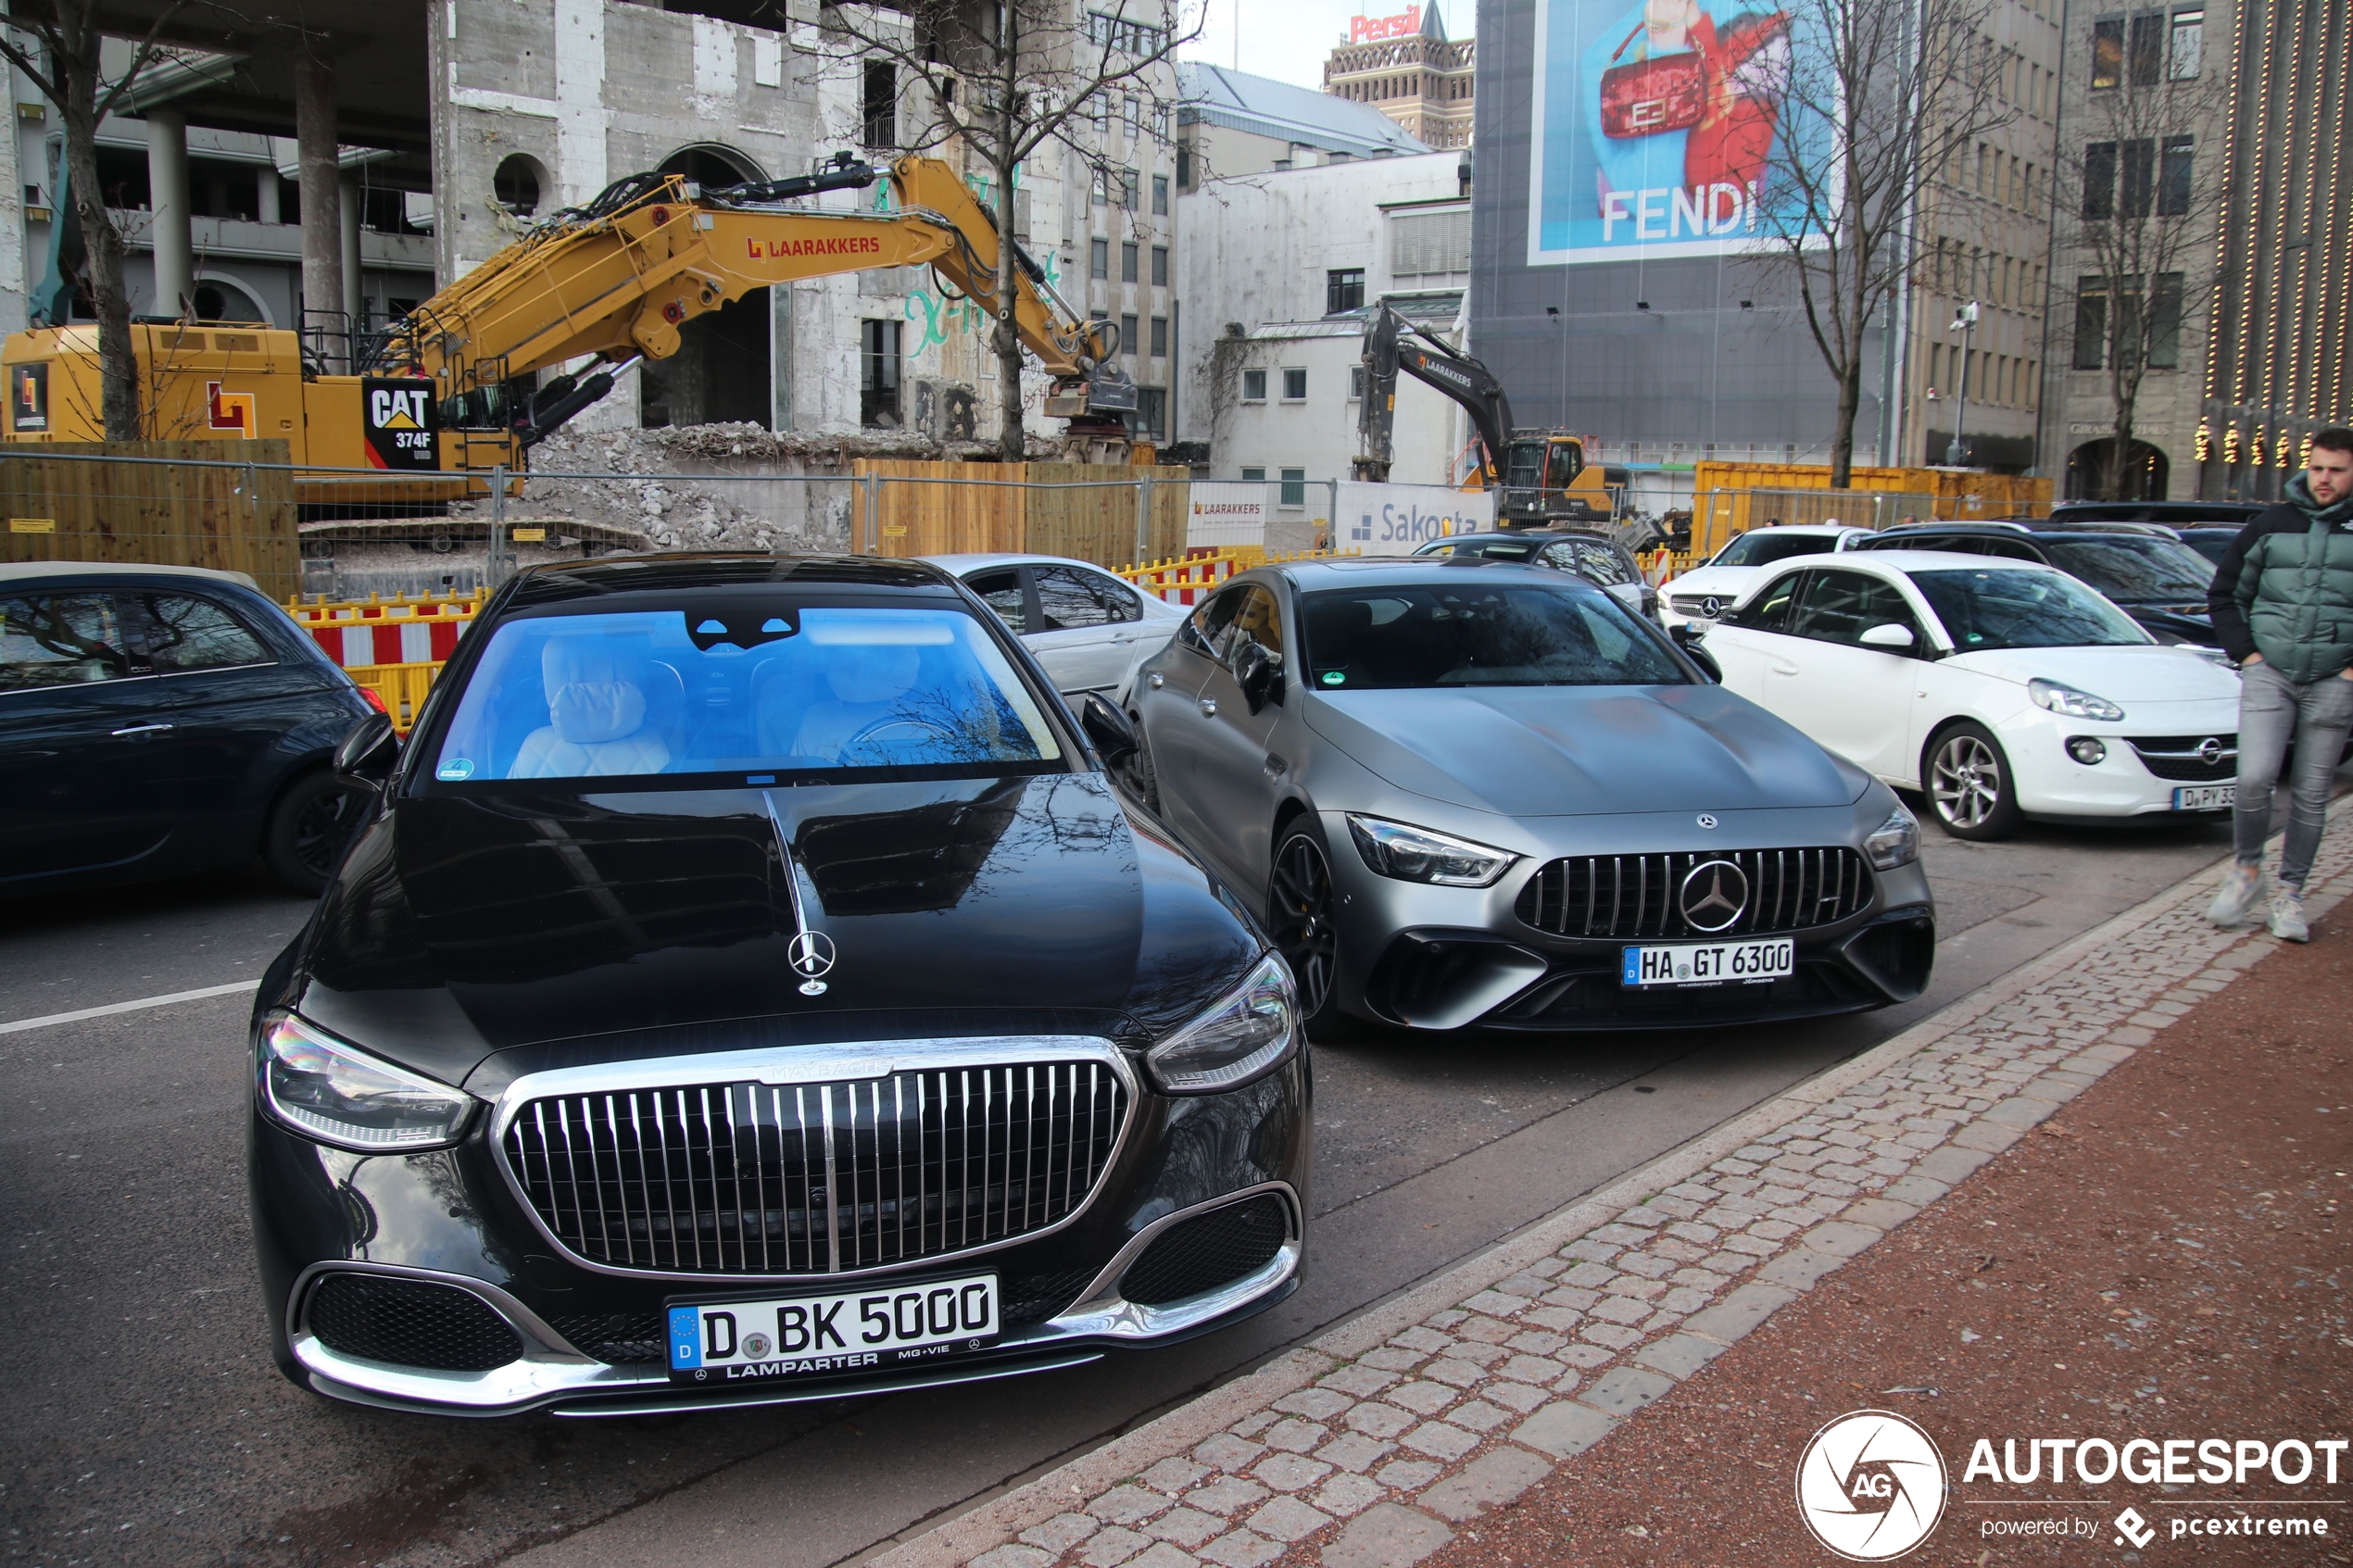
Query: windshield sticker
x=1335, y=677
x=456, y=769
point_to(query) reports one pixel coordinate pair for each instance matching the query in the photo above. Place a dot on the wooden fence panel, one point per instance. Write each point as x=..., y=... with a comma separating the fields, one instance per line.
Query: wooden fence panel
x=935, y=519
x=173, y=513
x=1098, y=522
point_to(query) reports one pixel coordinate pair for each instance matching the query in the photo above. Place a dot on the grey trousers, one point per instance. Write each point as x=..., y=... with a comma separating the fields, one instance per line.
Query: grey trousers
x=2271, y=709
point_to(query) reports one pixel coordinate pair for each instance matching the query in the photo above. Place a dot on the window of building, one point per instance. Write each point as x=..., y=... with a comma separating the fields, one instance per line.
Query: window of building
x=1427, y=243
x=1128, y=189
x=1253, y=476
x=2189, y=45
x=1355, y=383
x=1254, y=391
x=1160, y=195
x=2173, y=178
x=878, y=373
x=879, y=105
x=1098, y=259
x=1151, y=411
x=1160, y=121
x=1344, y=290
x=1103, y=187
x=2147, y=56
x=1132, y=115
x=1127, y=263
x=1294, y=383
x=1160, y=337
x=1159, y=267
x=2108, y=54
x=2091, y=323
x=2164, y=322
x=1127, y=341
x=1294, y=481
x=1183, y=167
x=2137, y=168
x=2099, y=182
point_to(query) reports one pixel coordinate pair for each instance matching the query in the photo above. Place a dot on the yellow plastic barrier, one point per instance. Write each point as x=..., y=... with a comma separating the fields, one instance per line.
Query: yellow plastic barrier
x=401, y=688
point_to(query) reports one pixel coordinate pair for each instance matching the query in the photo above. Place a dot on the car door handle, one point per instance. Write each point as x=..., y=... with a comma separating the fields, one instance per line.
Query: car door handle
x=1782, y=667
x=1209, y=708
x=143, y=729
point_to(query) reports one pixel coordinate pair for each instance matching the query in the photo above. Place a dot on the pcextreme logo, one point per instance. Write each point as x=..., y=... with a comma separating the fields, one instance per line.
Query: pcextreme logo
x=1871, y=1485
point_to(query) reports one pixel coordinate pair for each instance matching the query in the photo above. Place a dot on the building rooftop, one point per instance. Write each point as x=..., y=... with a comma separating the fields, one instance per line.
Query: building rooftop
x=1263, y=107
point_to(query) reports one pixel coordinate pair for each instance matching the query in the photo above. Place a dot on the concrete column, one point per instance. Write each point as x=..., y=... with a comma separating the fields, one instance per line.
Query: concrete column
x=168, y=197
x=355, y=294
x=322, y=198
x=265, y=194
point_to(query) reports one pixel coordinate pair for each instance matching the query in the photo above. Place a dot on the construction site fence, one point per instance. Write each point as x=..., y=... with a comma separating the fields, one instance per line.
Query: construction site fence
x=1722, y=515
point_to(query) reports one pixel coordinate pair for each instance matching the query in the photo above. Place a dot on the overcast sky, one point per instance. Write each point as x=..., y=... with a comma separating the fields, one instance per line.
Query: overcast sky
x=1289, y=39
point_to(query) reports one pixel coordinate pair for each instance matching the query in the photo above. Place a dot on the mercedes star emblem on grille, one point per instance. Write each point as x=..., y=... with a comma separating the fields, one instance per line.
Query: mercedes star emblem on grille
x=1707, y=819
x=1714, y=894
x=2209, y=751
x=1711, y=606
x=811, y=955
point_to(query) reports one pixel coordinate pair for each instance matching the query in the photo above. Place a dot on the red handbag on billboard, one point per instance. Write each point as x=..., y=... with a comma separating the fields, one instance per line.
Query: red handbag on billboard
x=1651, y=97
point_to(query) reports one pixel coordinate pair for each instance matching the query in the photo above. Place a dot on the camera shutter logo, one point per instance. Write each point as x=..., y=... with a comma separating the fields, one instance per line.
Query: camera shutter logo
x=1871, y=1485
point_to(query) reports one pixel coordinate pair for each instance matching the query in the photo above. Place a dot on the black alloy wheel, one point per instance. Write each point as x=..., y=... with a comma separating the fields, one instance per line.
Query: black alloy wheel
x=310, y=829
x=1969, y=784
x=1300, y=909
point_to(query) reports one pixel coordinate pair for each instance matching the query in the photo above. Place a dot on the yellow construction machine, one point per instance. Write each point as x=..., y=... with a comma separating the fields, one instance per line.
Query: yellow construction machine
x=447, y=389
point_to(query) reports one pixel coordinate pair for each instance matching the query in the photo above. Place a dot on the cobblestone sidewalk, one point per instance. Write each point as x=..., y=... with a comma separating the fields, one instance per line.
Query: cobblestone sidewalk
x=1365, y=1449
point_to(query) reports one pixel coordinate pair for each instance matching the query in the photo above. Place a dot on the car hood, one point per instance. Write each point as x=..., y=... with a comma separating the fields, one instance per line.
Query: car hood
x=1549, y=751
x=462, y=927
x=2123, y=675
x=1727, y=582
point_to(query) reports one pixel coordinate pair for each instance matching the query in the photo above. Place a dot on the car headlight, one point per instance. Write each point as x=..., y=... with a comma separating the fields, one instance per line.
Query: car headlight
x=1419, y=855
x=1250, y=1031
x=2067, y=700
x=327, y=1090
x=1896, y=842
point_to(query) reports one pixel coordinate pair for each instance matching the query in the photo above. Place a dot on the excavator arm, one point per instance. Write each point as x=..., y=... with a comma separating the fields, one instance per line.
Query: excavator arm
x=1390, y=348
x=617, y=278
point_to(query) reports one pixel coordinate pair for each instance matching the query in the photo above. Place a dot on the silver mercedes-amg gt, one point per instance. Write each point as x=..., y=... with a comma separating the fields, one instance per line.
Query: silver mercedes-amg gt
x=1469, y=791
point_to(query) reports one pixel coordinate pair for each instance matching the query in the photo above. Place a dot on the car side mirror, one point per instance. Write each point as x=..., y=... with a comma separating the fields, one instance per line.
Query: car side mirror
x=368, y=752
x=1260, y=675
x=1888, y=635
x=1688, y=639
x=1108, y=729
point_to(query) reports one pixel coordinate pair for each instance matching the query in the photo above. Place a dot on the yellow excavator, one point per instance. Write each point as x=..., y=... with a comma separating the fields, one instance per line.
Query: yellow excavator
x=612, y=282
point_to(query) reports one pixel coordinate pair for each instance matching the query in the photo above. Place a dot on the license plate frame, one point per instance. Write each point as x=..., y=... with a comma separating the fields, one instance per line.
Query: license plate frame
x=2205, y=798
x=809, y=1334
x=1672, y=965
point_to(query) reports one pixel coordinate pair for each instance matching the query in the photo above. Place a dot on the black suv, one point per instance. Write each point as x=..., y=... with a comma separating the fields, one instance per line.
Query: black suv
x=2148, y=573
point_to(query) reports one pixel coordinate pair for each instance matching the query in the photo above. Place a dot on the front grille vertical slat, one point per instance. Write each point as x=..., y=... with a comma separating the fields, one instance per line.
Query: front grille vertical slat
x=1788, y=890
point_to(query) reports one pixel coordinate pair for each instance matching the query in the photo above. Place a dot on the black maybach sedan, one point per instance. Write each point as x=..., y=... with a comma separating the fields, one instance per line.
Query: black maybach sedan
x=750, y=988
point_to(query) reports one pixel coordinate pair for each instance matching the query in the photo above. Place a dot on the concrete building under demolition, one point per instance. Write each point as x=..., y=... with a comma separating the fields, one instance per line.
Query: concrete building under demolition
x=326, y=170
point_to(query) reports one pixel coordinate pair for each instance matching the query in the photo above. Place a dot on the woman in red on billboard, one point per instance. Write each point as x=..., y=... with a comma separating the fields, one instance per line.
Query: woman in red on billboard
x=1746, y=65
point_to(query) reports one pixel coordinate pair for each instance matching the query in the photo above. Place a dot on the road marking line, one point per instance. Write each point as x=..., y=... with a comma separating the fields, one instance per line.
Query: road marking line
x=164, y=1001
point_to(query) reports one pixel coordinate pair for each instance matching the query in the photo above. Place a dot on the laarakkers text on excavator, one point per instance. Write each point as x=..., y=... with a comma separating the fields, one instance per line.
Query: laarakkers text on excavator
x=610, y=282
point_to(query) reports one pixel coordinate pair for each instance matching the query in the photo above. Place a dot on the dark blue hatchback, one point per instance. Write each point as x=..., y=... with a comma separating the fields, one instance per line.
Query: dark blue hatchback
x=157, y=720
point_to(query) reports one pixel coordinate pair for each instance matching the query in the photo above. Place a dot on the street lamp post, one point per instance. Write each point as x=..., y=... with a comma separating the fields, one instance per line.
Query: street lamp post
x=1965, y=323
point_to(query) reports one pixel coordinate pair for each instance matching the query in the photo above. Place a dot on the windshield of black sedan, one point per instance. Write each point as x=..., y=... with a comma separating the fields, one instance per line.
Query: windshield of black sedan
x=1389, y=638
x=755, y=693
x=2136, y=569
x=1764, y=546
x=1998, y=607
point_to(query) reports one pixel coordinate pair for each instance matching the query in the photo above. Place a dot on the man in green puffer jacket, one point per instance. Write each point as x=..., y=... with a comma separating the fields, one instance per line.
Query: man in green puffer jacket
x=2283, y=606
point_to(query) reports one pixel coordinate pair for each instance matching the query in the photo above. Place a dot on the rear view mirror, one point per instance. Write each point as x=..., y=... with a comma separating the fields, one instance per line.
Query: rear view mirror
x=368, y=752
x=1113, y=736
x=1887, y=634
x=1690, y=638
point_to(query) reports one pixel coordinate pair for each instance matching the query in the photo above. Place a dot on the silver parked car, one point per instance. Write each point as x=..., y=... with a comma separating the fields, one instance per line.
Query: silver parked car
x=1472, y=792
x=1086, y=627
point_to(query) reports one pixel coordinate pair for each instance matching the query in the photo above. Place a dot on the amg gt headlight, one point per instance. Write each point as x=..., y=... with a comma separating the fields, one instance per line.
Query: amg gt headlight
x=1896, y=842
x=1419, y=855
x=2067, y=701
x=327, y=1090
x=1245, y=1036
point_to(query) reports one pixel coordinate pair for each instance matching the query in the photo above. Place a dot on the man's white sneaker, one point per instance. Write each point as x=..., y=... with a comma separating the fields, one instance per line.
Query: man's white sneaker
x=2236, y=901
x=2288, y=916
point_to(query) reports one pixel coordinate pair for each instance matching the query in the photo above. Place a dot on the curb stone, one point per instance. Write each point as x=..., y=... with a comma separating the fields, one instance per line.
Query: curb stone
x=1456, y=1395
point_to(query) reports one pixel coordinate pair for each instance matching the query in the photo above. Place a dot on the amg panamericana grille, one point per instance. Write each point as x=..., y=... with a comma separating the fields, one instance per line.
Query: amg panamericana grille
x=1634, y=896
x=816, y=1178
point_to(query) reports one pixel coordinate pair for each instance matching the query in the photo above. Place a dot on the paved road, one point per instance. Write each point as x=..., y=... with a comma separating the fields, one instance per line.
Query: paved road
x=146, y=1425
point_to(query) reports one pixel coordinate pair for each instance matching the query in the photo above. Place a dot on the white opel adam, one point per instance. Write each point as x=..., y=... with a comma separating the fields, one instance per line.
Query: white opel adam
x=2000, y=689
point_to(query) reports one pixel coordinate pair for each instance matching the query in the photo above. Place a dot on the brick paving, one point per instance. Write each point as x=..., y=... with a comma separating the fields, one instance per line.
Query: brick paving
x=1364, y=1451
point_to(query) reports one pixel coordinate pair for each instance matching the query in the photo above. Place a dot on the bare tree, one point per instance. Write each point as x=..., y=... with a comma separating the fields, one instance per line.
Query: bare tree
x=1877, y=99
x=1003, y=81
x=65, y=65
x=2137, y=199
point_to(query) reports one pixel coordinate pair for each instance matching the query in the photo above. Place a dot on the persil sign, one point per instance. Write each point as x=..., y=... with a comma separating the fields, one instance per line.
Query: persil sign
x=1371, y=30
